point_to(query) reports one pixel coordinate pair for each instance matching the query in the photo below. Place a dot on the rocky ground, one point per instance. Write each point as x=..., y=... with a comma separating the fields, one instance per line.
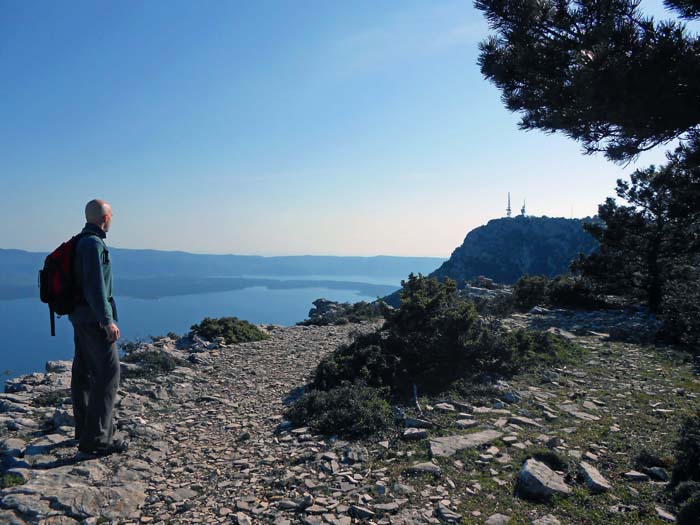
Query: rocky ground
x=209, y=443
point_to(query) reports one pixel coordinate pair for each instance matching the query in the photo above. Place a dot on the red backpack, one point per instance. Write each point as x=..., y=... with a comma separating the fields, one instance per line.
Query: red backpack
x=57, y=285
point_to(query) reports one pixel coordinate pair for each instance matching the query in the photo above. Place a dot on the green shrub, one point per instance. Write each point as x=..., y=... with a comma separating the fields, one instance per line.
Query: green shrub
x=552, y=459
x=565, y=291
x=681, y=314
x=689, y=513
x=432, y=339
x=344, y=313
x=530, y=291
x=347, y=410
x=685, y=490
x=152, y=363
x=170, y=335
x=10, y=480
x=128, y=347
x=232, y=329
x=501, y=305
x=687, y=466
x=530, y=349
x=647, y=459
x=362, y=360
x=435, y=338
x=52, y=398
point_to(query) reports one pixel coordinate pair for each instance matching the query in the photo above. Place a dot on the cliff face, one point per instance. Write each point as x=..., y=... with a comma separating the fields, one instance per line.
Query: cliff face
x=505, y=249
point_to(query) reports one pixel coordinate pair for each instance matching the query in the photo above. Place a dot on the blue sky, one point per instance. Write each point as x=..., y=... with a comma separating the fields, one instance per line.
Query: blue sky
x=272, y=128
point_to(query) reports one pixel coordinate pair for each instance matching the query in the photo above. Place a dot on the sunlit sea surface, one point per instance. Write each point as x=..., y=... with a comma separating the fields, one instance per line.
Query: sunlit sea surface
x=26, y=343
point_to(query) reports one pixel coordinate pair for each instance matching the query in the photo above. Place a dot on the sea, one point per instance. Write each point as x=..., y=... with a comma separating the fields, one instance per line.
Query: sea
x=26, y=342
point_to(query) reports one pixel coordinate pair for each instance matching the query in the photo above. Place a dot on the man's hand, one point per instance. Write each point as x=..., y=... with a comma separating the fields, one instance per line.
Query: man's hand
x=112, y=331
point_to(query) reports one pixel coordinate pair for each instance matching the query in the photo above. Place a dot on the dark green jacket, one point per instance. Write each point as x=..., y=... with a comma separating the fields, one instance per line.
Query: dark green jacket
x=93, y=273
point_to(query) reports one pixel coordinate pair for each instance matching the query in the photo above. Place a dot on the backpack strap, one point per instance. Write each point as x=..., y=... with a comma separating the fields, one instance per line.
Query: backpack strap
x=80, y=296
x=105, y=257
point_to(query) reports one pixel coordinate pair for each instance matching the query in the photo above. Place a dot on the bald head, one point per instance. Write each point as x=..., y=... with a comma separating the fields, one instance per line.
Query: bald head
x=98, y=212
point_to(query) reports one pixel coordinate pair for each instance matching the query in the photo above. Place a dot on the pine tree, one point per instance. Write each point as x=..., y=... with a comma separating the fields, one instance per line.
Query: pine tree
x=597, y=70
x=653, y=240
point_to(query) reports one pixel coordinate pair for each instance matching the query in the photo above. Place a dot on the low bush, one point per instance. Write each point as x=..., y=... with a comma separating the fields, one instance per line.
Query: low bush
x=501, y=305
x=330, y=312
x=648, y=459
x=152, y=363
x=566, y=291
x=52, y=398
x=687, y=447
x=10, y=480
x=433, y=340
x=128, y=347
x=348, y=410
x=552, y=459
x=232, y=329
x=685, y=480
x=530, y=291
x=685, y=490
x=563, y=291
x=681, y=315
x=169, y=335
x=689, y=513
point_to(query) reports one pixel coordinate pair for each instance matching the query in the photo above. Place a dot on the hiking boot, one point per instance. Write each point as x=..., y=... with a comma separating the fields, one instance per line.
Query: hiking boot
x=117, y=446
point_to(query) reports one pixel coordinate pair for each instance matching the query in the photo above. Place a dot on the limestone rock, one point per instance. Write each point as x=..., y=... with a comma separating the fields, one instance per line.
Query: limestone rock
x=447, y=515
x=537, y=481
x=664, y=514
x=498, y=519
x=7, y=517
x=448, y=445
x=361, y=512
x=549, y=519
x=634, y=475
x=412, y=422
x=12, y=447
x=415, y=434
x=595, y=482
x=523, y=421
x=425, y=468
x=59, y=367
x=657, y=473
x=579, y=414
x=387, y=507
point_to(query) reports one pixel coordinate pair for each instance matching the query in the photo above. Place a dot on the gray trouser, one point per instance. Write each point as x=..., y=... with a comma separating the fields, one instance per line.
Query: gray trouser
x=94, y=383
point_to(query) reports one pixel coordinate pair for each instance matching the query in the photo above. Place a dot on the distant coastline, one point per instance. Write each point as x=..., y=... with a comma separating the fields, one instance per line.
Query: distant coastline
x=158, y=287
x=151, y=274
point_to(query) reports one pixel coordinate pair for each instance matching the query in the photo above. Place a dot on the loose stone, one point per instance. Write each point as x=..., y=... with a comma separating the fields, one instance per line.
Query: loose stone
x=537, y=481
x=595, y=482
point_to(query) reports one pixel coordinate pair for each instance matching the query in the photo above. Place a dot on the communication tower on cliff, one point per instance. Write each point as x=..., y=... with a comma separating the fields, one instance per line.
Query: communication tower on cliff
x=522, y=210
x=509, y=211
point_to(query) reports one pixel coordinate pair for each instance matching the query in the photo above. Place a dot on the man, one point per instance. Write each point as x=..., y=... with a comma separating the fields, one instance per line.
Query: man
x=95, y=374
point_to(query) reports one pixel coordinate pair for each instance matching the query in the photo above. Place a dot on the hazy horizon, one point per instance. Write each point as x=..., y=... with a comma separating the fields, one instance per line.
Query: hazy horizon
x=272, y=255
x=266, y=256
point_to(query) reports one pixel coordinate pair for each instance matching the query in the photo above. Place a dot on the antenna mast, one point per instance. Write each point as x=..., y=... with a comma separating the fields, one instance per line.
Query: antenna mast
x=509, y=211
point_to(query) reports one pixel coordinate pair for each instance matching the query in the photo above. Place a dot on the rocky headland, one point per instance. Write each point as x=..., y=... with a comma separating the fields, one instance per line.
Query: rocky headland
x=503, y=250
x=507, y=248
x=209, y=443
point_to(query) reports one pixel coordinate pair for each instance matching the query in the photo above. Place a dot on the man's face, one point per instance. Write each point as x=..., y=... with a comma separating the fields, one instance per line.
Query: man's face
x=107, y=220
